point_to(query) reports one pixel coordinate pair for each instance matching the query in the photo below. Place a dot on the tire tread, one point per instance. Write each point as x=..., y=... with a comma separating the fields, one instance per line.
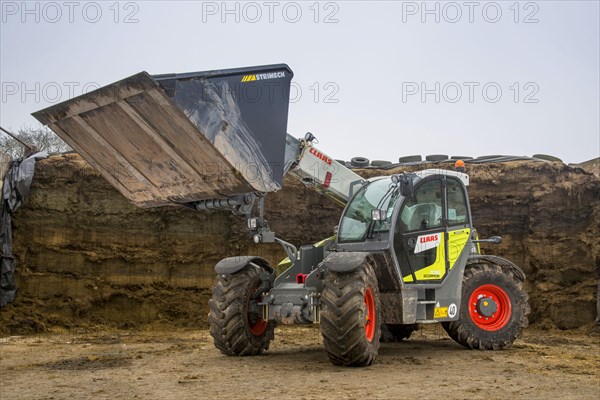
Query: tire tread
x=466, y=333
x=227, y=316
x=343, y=313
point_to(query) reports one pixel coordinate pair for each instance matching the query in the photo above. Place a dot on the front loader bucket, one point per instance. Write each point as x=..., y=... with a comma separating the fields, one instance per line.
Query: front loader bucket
x=180, y=138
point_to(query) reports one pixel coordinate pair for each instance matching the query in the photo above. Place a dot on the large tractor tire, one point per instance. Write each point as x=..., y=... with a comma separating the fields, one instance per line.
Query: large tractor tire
x=493, y=310
x=397, y=332
x=351, y=317
x=235, y=318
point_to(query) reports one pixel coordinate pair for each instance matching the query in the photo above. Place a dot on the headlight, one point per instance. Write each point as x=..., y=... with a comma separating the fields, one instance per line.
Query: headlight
x=252, y=223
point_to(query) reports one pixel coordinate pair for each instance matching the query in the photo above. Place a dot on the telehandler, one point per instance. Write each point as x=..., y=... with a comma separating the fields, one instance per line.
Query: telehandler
x=405, y=252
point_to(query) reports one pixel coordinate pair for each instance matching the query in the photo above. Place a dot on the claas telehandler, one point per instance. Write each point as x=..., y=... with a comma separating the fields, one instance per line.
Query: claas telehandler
x=405, y=251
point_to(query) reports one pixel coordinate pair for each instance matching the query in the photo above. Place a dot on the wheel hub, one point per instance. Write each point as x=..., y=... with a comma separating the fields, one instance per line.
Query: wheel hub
x=486, y=306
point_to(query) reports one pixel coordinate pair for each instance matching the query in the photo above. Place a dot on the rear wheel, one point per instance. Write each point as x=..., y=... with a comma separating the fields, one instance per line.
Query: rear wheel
x=493, y=310
x=350, y=316
x=397, y=332
x=235, y=318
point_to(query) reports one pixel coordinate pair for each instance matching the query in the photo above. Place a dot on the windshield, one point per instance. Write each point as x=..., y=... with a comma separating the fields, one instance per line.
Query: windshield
x=356, y=220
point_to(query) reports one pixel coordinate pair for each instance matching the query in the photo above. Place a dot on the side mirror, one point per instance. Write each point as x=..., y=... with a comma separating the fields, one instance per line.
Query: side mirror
x=495, y=239
x=406, y=185
x=492, y=240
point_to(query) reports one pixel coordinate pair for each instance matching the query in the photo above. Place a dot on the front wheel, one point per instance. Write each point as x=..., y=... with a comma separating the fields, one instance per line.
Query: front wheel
x=350, y=316
x=493, y=310
x=235, y=318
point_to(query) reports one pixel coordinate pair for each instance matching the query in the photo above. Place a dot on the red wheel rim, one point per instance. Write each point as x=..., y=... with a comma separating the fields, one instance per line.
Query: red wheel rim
x=260, y=326
x=498, y=319
x=370, y=315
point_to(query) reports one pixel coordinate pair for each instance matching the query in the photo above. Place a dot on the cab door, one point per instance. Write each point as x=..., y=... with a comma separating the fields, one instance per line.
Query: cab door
x=420, y=234
x=432, y=230
x=458, y=219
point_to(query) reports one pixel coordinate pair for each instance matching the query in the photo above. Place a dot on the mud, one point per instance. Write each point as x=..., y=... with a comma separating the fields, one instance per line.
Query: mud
x=184, y=364
x=87, y=259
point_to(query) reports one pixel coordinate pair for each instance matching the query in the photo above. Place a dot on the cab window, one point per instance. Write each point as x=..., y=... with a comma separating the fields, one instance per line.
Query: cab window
x=457, y=203
x=423, y=209
x=356, y=220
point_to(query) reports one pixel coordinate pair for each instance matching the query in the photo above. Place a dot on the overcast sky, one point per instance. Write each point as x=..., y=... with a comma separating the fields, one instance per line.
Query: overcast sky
x=373, y=79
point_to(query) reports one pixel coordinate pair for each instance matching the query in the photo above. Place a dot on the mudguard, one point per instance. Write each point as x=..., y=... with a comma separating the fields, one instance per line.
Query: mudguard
x=231, y=265
x=499, y=261
x=345, y=261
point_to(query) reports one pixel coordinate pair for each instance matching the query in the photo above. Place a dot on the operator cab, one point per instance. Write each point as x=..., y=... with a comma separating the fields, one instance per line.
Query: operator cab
x=425, y=224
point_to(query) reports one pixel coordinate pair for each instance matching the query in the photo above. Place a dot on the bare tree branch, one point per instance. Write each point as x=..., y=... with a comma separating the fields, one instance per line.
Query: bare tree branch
x=41, y=137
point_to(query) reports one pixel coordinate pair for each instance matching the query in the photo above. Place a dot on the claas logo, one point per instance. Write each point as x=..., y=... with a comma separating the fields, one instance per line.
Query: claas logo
x=248, y=78
x=320, y=155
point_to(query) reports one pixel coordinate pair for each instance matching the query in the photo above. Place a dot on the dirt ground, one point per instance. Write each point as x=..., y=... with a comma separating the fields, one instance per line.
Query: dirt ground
x=109, y=298
x=184, y=364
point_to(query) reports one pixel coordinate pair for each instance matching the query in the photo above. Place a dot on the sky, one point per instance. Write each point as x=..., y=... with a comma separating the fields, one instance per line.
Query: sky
x=374, y=79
